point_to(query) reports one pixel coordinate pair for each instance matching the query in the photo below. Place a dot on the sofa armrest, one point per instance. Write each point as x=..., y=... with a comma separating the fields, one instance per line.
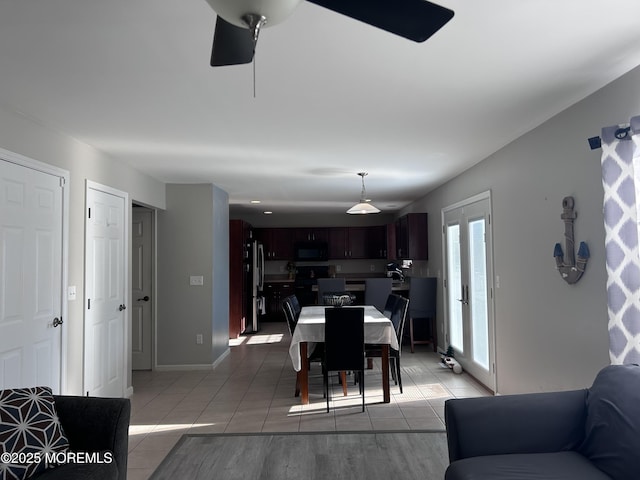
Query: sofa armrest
x=527, y=423
x=94, y=424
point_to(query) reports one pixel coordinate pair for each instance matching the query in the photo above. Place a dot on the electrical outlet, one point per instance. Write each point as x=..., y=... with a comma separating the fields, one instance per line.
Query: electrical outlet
x=338, y=268
x=372, y=268
x=199, y=339
x=71, y=293
x=196, y=280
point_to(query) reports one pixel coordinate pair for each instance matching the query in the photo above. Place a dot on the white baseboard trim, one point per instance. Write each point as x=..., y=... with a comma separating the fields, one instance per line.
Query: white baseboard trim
x=193, y=367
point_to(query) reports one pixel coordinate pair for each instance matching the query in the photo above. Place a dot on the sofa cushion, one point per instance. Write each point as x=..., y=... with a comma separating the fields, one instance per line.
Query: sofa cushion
x=29, y=425
x=81, y=471
x=529, y=466
x=612, y=428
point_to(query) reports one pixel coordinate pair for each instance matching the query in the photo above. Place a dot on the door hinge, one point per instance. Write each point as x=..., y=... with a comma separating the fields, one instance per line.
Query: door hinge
x=88, y=304
x=89, y=212
x=62, y=182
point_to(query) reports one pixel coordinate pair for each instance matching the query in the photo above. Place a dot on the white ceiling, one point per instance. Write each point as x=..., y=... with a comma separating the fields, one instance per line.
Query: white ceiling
x=333, y=96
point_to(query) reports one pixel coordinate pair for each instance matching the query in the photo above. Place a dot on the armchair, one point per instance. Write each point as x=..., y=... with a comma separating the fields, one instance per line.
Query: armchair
x=589, y=434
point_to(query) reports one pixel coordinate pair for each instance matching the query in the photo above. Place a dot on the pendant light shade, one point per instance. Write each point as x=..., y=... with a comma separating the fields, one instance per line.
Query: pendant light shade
x=364, y=207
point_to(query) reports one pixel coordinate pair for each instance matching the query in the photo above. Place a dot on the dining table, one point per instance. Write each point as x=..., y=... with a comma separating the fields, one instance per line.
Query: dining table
x=378, y=330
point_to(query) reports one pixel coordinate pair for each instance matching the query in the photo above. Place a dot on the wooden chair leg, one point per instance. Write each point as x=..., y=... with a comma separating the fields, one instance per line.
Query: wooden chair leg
x=343, y=380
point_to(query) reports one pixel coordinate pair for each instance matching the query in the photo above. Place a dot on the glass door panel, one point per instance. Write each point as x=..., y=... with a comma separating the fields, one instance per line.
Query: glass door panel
x=468, y=285
x=478, y=293
x=454, y=274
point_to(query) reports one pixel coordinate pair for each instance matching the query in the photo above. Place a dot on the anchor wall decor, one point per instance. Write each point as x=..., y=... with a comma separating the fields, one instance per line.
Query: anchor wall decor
x=570, y=270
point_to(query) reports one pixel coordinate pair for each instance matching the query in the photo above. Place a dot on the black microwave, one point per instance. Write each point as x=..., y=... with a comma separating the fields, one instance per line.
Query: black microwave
x=311, y=251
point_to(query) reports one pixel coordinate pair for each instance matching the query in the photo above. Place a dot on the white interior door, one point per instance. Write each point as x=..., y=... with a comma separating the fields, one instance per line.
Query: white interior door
x=105, y=289
x=31, y=242
x=141, y=289
x=469, y=288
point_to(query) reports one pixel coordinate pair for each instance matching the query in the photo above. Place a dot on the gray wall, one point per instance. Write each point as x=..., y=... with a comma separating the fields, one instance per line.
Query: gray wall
x=22, y=135
x=220, y=282
x=549, y=335
x=193, y=240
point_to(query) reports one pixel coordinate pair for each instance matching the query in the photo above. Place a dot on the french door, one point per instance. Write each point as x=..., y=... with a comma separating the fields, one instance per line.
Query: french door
x=468, y=286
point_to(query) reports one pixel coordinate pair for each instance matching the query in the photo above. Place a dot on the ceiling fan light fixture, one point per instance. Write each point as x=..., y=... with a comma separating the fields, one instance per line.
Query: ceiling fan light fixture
x=236, y=12
x=364, y=207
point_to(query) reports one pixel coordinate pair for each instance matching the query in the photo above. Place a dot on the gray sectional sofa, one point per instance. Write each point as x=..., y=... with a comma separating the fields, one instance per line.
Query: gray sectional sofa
x=590, y=434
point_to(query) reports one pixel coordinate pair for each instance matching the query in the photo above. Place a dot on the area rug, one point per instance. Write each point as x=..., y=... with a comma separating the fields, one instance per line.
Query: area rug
x=323, y=455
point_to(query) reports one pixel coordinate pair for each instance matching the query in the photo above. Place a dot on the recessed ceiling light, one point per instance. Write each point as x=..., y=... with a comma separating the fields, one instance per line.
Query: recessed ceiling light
x=267, y=212
x=255, y=201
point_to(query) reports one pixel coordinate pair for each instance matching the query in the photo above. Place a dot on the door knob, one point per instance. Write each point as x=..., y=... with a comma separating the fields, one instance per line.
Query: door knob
x=57, y=322
x=122, y=307
x=144, y=299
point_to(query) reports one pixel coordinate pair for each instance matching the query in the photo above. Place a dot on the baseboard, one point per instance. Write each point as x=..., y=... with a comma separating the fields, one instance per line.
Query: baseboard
x=193, y=367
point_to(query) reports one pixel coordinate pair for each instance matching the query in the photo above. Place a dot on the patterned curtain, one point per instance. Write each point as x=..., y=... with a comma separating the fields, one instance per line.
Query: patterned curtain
x=621, y=181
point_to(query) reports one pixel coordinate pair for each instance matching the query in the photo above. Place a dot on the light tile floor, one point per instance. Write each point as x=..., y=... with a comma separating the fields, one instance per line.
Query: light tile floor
x=252, y=389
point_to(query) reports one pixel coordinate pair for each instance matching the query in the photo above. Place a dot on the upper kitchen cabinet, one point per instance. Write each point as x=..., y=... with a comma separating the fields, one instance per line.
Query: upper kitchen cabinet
x=277, y=243
x=319, y=234
x=358, y=242
x=411, y=237
x=376, y=241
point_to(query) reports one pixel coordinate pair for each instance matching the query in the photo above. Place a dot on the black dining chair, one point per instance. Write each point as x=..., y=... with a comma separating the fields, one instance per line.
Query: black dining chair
x=291, y=308
x=288, y=307
x=344, y=345
x=390, y=304
x=422, y=313
x=376, y=291
x=398, y=318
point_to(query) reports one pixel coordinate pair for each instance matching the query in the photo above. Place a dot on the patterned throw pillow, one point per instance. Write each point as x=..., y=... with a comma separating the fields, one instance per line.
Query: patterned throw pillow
x=29, y=429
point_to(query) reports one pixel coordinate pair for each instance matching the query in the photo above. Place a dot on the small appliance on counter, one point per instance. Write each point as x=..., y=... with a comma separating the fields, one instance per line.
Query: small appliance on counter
x=394, y=269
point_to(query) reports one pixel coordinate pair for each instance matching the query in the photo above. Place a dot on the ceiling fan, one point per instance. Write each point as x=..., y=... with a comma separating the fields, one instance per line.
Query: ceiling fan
x=239, y=21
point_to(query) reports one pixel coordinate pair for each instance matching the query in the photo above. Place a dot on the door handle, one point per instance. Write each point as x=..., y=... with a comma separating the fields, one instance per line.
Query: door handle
x=122, y=307
x=144, y=299
x=57, y=322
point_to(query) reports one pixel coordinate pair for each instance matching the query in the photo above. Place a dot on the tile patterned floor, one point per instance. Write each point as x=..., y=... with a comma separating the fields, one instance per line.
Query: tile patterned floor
x=251, y=390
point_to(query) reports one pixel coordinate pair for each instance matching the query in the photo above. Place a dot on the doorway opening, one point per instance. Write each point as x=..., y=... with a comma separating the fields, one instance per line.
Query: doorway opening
x=143, y=296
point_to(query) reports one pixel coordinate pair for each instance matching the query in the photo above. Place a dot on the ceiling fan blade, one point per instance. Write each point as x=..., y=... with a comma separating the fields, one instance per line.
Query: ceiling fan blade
x=231, y=45
x=416, y=20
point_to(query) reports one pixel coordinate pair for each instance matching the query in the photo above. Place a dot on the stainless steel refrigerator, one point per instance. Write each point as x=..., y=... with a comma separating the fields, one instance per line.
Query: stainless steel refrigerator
x=254, y=276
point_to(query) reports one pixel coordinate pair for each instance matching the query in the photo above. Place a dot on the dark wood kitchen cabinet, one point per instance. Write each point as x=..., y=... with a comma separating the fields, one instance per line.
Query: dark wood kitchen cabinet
x=376, y=241
x=277, y=243
x=411, y=237
x=238, y=234
x=274, y=294
x=358, y=242
x=319, y=234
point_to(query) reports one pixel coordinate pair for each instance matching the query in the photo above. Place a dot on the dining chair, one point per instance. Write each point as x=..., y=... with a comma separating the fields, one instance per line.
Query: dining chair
x=422, y=294
x=390, y=304
x=398, y=319
x=344, y=345
x=330, y=285
x=376, y=291
x=289, y=313
x=291, y=308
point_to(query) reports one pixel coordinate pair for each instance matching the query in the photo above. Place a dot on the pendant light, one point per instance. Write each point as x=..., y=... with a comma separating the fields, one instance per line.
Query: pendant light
x=364, y=207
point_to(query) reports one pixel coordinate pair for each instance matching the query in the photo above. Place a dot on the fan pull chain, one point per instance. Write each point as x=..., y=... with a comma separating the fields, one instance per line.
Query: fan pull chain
x=254, y=75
